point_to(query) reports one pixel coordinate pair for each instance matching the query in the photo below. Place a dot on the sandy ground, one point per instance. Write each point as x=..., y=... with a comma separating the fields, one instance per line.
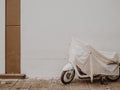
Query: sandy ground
x=55, y=84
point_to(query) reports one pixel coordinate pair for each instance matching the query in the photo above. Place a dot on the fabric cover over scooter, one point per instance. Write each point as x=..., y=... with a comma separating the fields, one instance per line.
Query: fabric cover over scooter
x=92, y=61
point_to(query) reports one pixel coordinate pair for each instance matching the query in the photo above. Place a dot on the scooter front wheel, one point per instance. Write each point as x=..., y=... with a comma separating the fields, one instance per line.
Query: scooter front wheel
x=67, y=76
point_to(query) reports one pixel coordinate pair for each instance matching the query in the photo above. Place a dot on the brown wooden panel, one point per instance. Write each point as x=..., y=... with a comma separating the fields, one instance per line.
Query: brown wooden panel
x=12, y=12
x=12, y=76
x=12, y=49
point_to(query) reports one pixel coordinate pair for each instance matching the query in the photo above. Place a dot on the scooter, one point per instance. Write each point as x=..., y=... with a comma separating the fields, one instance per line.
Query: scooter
x=69, y=72
x=87, y=62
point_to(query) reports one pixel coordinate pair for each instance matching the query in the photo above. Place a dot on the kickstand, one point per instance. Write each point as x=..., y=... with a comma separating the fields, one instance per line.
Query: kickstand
x=103, y=80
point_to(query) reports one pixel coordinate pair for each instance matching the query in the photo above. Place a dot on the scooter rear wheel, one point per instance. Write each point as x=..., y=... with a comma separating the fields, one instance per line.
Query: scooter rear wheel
x=113, y=78
x=67, y=76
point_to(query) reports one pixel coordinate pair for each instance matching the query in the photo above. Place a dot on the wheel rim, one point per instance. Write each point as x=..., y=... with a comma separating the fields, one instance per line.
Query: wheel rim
x=68, y=75
x=113, y=77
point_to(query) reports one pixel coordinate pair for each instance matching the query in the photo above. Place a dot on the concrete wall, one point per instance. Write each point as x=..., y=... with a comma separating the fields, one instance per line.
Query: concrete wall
x=2, y=36
x=48, y=26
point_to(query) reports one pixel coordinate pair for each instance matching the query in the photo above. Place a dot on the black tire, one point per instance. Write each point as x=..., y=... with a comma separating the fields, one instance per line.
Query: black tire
x=113, y=80
x=109, y=78
x=63, y=75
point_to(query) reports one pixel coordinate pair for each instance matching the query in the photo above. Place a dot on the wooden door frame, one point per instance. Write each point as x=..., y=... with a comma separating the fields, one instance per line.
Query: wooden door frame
x=12, y=27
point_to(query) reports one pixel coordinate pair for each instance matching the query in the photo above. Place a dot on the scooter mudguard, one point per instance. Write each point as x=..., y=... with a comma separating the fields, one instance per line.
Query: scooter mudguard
x=68, y=67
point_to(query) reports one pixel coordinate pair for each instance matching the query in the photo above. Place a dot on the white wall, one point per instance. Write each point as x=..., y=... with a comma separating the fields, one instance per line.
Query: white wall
x=48, y=26
x=2, y=36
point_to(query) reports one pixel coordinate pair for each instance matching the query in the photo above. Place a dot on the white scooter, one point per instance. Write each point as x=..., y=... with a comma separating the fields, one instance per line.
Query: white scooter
x=68, y=74
x=73, y=67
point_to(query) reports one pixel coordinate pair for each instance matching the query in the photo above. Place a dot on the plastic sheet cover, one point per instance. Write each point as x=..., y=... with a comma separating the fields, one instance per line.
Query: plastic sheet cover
x=92, y=61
